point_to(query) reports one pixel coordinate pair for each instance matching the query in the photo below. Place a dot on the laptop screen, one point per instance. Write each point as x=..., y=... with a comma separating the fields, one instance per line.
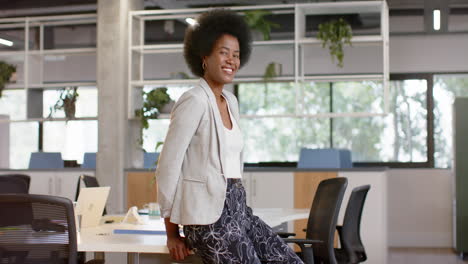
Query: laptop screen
x=90, y=205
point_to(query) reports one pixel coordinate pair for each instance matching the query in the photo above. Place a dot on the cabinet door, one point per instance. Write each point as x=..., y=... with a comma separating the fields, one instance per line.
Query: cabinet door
x=65, y=184
x=41, y=182
x=272, y=189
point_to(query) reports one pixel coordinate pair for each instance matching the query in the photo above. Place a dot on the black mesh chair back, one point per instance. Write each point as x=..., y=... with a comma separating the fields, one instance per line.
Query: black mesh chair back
x=44, y=231
x=89, y=181
x=323, y=217
x=350, y=237
x=14, y=183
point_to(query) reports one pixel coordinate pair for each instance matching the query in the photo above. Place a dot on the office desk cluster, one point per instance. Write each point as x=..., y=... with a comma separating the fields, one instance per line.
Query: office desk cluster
x=102, y=239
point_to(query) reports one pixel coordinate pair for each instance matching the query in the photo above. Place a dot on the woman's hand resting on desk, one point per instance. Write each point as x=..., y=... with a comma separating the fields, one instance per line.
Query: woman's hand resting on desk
x=175, y=243
x=177, y=248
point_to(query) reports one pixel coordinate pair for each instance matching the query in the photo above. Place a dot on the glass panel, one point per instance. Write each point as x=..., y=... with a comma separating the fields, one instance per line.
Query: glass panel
x=23, y=140
x=72, y=138
x=66, y=68
x=365, y=96
x=316, y=97
x=155, y=133
x=266, y=98
x=157, y=129
x=446, y=88
x=70, y=36
x=15, y=35
x=13, y=103
x=280, y=139
x=86, y=104
x=400, y=136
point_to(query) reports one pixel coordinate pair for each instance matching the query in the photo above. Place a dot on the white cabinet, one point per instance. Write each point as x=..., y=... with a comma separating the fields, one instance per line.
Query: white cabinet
x=269, y=189
x=374, y=227
x=58, y=183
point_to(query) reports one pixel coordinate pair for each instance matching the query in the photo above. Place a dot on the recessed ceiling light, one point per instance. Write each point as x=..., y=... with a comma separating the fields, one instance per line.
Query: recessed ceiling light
x=6, y=42
x=191, y=21
x=436, y=17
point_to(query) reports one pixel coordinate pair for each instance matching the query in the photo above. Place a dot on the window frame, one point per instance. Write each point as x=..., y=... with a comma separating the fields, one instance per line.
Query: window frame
x=430, y=163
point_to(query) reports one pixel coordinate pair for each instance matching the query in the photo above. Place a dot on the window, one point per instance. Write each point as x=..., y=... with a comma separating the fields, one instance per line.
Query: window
x=157, y=129
x=400, y=136
x=446, y=88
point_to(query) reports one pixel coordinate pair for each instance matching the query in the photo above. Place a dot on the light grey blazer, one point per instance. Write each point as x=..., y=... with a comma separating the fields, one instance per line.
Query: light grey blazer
x=191, y=183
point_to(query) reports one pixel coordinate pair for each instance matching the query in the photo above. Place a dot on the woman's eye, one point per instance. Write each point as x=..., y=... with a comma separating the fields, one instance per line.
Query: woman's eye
x=236, y=56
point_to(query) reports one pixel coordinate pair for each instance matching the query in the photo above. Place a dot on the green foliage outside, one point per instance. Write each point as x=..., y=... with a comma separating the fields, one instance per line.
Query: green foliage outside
x=446, y=88
x=280, y=138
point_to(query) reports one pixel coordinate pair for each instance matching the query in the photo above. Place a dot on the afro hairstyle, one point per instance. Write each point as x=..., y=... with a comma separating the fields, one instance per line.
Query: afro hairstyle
x=200, y=39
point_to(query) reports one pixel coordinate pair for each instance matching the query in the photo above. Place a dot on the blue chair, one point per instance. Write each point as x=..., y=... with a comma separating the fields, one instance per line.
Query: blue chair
x=46, y=160
x=324, y=159
x=149, y=159
x=89, y=160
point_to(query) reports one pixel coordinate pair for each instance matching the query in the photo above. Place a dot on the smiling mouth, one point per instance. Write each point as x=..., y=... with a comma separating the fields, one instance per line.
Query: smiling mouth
x=228, y=70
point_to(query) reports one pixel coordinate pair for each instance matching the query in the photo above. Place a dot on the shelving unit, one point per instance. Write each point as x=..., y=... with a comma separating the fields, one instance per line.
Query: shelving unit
x=34, y=54
x=137, y=50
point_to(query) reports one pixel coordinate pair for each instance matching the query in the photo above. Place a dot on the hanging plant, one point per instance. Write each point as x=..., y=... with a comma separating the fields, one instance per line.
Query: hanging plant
x=335, y=34
x=6, y=71
x=256, y=21
x=153, y=104
x=66, y=102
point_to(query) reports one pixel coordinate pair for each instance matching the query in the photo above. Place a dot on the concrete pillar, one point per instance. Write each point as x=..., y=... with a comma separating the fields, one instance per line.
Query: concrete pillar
x=4, y=142
x=116, y=134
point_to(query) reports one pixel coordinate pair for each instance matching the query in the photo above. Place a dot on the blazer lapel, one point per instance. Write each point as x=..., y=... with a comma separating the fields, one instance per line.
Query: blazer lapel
x=218, y=121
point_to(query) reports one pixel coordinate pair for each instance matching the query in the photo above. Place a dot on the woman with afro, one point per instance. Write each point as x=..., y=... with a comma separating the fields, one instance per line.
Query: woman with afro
x=200, y=167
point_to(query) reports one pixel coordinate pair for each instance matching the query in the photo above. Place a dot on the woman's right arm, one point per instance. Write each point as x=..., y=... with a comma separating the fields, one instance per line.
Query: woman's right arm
x=175, y=243
x=185, y=119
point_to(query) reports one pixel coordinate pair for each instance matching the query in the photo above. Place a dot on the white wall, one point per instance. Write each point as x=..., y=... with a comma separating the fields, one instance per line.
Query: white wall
x=420, y=208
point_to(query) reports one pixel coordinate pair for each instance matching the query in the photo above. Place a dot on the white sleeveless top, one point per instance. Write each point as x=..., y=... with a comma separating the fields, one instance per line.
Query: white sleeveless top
x=234, y=145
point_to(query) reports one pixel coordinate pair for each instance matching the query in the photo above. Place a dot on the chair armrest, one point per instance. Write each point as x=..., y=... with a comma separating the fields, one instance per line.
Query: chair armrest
x=285, y=234
x=302, y=241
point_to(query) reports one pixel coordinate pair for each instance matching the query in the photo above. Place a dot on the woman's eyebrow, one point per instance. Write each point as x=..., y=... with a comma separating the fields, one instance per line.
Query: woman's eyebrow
x=223, y=47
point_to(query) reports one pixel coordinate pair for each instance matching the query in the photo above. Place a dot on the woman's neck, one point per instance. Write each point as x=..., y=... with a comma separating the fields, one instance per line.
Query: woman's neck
x=216, y=88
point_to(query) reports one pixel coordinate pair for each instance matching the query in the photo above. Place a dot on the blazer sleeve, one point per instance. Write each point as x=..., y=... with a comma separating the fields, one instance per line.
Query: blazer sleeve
x=185, y=119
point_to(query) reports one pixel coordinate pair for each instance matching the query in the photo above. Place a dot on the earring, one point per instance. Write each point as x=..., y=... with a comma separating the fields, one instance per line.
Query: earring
x=203, y=65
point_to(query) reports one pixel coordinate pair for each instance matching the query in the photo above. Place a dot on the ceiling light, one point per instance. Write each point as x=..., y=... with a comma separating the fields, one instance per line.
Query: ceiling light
x=191, y=21
x=436, y=17
x=6, y=42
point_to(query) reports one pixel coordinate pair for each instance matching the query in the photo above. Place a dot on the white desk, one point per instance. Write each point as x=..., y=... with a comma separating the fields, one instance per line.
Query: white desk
x=101, y=239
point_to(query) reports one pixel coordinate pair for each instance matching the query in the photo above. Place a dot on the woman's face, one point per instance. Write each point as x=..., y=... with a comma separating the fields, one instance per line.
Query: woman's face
x=223, y=62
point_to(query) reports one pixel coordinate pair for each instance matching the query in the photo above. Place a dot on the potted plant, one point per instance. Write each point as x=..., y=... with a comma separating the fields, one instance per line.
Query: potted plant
x=6, y=71
x=155, y=102
x=66, y=102
x=257, y=22
x=335, y=34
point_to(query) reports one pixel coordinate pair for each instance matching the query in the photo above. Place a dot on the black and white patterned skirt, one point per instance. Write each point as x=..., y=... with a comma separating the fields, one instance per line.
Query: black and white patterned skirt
x=238, y=236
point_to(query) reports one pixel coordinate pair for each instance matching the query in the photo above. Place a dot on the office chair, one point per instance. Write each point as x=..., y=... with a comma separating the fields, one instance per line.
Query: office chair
x=14, y=183
x=149, y=159
x=46, y=160
x=89, y=160
x=318, y=246
x=46, y=232
x=89, y=181
x=352, y=250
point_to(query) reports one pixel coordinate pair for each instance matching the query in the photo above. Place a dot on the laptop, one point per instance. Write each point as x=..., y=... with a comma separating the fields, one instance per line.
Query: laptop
x=90, y=205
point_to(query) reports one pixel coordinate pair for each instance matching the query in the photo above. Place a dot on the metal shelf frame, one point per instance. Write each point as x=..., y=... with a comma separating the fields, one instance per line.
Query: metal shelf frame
x=137, y=50
x=26, y=83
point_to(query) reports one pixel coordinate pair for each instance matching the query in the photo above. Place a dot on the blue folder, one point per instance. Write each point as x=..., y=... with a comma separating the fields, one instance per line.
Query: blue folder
x=139, y=232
